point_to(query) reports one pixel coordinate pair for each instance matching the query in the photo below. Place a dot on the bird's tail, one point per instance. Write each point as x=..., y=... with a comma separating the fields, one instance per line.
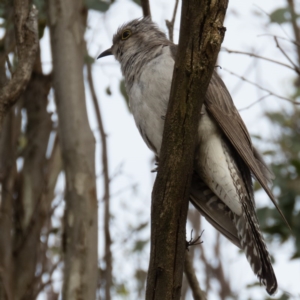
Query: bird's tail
x=252, y=242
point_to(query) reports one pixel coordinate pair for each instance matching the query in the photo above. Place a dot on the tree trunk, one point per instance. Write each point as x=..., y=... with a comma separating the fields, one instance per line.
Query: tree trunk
x=201, y=35
x=31, y=207
x=78, y=150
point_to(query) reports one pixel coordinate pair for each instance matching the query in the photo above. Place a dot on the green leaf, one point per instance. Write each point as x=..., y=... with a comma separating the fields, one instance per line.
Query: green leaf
x=280, y=15
x=139, y=245
x=97, y=5
x=138, y=2
x=88, y=59
x=122, y=290
x=108, y=91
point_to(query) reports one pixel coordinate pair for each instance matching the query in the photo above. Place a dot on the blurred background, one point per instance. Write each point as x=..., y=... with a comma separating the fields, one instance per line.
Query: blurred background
x=40, y=171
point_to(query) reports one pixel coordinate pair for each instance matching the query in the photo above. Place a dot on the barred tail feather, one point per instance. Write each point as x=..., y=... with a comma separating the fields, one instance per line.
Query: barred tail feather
x=253, y=244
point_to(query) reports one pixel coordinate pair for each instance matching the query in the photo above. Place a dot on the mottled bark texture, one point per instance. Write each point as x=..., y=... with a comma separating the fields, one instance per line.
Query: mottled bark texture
x=32, y=207
x=201, y=35
x=78, y=150
x=26, y=35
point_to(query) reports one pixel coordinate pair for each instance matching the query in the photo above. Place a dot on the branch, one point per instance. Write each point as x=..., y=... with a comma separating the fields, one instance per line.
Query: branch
x=261, y=57
x=26, y=31
x=255, y=102
x=189, y=271
x=201, y=35
x=170, y=24
x=106, y=197
x=146, y=8
x=260, y=87
x=295, y=26
x=296, y=68
x=280, y=38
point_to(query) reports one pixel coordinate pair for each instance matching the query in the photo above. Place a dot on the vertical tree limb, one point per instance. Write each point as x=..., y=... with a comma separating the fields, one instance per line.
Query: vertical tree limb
x=26, y=31
x=106, y=197
x=80, y=239
x=201, y=35
x=170, y=24
x=189, y=271
x=296, y=28
x=31, y=212
x=146, y=8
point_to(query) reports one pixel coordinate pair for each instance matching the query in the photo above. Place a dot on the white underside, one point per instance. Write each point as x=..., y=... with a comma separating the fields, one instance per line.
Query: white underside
x=148, y=101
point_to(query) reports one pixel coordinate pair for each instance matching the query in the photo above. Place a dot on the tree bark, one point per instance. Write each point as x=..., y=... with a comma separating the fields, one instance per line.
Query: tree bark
x=201, y=35
x=78, y=150
x=26, y=31
x=146, y=8
x=31, y=207
x=189, y=271
x=107, y=276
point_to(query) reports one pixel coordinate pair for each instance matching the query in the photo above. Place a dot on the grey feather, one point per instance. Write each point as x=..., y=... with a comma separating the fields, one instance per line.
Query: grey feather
x=225, y=158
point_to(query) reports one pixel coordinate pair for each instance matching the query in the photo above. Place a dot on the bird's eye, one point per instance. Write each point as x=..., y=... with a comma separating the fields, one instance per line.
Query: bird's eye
x=126, y=34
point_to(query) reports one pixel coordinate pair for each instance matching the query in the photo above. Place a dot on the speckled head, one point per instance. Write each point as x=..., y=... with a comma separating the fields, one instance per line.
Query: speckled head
x=137, y=36
x=134, y=45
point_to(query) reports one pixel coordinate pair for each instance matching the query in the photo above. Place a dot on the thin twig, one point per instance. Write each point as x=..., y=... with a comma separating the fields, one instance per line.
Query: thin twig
x=106, y=197
x=280, y=38
x=9, y=66
x=296, y=69
x=287, y=57
x=255, y=102
x=49, y=281
x=170, y=24
x=189, y=271
x=295, y=26
x=260, y=87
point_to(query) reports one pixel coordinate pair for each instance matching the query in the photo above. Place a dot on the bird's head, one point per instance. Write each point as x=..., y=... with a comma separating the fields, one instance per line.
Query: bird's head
x=137, y=36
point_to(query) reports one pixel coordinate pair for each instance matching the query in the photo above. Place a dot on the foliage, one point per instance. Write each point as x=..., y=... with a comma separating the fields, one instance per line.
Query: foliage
x=286, y=167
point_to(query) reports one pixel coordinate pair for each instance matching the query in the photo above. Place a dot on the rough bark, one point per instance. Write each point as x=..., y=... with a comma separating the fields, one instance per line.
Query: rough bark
x=7, y=177
x=201, y=35
x=31, y=207
x=78, y=150
x=26, y=31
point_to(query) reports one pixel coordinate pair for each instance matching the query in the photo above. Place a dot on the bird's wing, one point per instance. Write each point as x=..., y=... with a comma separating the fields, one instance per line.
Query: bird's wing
x=213, y=209
x=221, y=107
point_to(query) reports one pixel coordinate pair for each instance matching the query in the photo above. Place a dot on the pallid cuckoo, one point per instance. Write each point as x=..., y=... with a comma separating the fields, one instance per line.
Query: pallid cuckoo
x=222, y=187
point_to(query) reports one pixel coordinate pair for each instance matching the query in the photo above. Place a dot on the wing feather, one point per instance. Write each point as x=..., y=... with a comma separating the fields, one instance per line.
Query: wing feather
x=220, y=105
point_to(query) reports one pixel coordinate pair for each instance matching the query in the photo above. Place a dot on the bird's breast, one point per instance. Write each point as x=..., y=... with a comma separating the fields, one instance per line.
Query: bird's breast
x=149, y=98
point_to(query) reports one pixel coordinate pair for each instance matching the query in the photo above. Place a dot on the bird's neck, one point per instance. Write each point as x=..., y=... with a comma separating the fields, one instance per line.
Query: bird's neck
x=132, y=63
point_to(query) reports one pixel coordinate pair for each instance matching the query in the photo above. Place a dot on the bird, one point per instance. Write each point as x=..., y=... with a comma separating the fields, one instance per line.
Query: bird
x=225, y=160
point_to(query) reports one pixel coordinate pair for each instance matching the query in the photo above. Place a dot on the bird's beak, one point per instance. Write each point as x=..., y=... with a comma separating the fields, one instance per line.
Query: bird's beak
x=105, y=53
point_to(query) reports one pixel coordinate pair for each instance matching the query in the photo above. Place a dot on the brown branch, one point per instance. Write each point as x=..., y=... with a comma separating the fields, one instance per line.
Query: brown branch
x=170, y=24
x=261, y=88
x=295, y=26
x=261, y=57
x=287, y=57
x=189, y=271
x=80, y=238
x=280, y=38
x=201, y=35
x=26, y=31
x=106, y=197
x=255, y=102
x=146, y=8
